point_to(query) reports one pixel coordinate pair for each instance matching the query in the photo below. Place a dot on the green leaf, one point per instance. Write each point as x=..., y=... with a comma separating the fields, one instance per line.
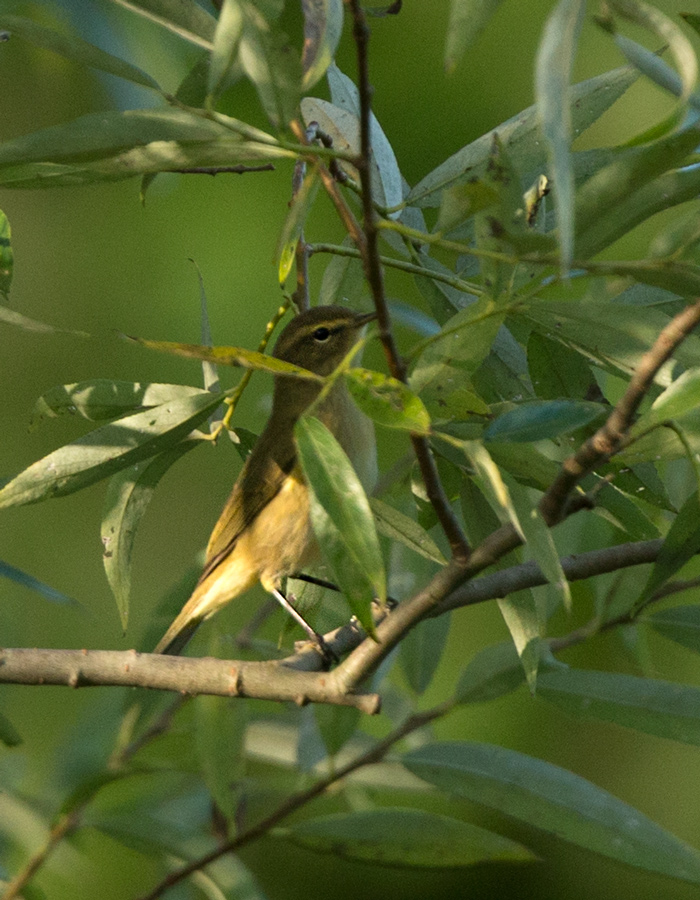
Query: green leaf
x=28, y=581
x=680, y=624
x=468, y=18
x=493, y=672
x=388, y=401
x=128, y=494
x=539, y=420
x=522, y=138
x=9, y=735
x=681, y=544
x=522, y=616
x=102, y=398
x=555, y=59
x=387, y=184
x=230, y=356
x=680, y=397
x=185, y=18
x=342, y=519
x=655, y=707
x=10, y=317
x=220, y=728
x=107, y=450
x=602, y=203
x=461, y=202
x=113, y=145
x=466, y=338
x=540, y=543
x=6, y=255
x=610, y=334
x=323, y=26
x=422, y=649
x=488, y=477
x=272, y=64
x=557, y=371
x=395, y=525
x=336, y=725
x=666, y=30
x=343, y=280
x=228, y=33
x=554, y=800
x=75, y=49
x=402, y=837
x=294, y=224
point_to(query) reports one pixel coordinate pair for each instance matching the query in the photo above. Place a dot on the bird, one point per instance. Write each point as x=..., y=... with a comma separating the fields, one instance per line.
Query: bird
x=264, y=532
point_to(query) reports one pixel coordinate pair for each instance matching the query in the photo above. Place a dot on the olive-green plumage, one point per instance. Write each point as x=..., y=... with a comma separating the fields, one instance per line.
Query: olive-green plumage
x=264, y=532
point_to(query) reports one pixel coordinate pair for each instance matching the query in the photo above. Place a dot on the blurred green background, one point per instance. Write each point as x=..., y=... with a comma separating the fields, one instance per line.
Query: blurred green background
x=94, y=259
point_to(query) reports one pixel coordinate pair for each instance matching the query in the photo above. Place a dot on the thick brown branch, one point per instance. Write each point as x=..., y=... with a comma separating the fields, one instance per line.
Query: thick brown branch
x=280, y=680
x=610, y=437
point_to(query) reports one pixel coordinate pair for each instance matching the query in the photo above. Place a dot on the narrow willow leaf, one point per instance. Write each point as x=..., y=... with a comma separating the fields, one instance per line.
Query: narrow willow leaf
x=468, y=18
x=220, y=727
x=108, y=449
x=387, y=183
x=680, y=624
x=466, y=338
x=403, y=837
x=491, y=483
x=680, y=397
x=600, y=200
x=10, y=317
x=6, y=255
x=395, y=525
x=230, y=356
x=9, y=735
x=541, y=419
x=609, y=333
x=540, y=543
x=557, y=371
x=521, y=615
x=185, y=18
x=668, y=32
x=75, y=49
x=422, y=649
x=554, y=800
x=128, y=494
x=493, y=672
x=336, y=725
x=102, y=398
x=681, y=544
x=342, y=519
x=343, y=280
x=28, y=581
x=226, y=38
x=555, y=59
x=388, y=401
x=294, y=224
x=274, y=67
x=527, y=464
x=521, y=136
x=655, y=707
x=323, y=26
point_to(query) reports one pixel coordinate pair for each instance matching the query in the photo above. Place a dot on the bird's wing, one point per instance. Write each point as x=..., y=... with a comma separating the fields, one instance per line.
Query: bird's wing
x=260, y=480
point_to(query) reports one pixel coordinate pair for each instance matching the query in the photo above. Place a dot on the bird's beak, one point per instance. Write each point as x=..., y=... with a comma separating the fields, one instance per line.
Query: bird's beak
x=364, y=318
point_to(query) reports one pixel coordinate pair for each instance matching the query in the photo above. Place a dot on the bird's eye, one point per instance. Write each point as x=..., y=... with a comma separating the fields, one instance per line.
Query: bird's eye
x=322, y=334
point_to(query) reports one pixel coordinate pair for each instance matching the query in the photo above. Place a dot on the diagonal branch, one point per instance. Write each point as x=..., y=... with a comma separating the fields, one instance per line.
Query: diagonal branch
x=612, y=436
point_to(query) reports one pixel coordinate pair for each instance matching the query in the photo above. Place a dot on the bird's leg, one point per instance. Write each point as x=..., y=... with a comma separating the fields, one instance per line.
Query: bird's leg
x=326, y=652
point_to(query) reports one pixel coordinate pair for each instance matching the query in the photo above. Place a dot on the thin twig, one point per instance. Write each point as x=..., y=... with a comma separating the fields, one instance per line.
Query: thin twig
x=239, y=169
x=374, y=274
x=296, y=801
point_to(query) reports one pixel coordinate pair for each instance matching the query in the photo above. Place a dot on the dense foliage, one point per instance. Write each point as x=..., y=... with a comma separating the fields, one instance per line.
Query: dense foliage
x=537, y=410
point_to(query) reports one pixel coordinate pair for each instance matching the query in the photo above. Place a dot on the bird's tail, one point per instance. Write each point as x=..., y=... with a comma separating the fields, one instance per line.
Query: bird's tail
x=178, y=635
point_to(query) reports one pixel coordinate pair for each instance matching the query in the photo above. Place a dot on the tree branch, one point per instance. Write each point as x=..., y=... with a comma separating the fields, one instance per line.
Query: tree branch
x=610, y=438
x=374, y=274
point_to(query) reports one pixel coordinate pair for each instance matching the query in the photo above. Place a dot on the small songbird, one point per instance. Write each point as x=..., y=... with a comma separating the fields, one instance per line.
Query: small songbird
x=264, y=532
